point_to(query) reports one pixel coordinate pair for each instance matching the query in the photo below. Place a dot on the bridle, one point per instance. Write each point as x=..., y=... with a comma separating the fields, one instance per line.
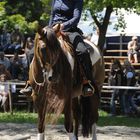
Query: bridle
x=47, y=69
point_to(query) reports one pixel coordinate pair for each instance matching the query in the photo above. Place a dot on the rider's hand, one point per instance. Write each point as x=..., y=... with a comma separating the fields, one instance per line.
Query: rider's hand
x=61, y=27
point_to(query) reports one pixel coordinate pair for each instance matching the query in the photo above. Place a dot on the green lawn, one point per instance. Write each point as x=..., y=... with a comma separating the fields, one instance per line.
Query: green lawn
x=104, y=119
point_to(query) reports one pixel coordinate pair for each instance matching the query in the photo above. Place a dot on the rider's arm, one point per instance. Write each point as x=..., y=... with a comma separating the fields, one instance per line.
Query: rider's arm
x=76, y=15
x=129, y=45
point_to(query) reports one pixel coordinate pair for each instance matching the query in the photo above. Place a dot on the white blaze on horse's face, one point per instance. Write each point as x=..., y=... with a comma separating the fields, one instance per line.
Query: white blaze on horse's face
x=47, y=68
x=48, y=74
x=42, y=44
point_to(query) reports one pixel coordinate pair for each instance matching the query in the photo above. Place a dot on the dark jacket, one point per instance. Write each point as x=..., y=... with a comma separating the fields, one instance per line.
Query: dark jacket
x=67, y=12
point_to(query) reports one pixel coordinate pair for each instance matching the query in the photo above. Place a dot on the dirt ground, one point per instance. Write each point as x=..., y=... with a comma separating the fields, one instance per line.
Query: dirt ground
x=12, y=131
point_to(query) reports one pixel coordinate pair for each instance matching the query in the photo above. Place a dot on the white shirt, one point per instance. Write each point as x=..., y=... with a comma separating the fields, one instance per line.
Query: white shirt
x=4, y=88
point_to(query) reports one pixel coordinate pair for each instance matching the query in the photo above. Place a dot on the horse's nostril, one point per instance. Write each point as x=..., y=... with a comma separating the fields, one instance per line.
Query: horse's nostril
x=50, y=78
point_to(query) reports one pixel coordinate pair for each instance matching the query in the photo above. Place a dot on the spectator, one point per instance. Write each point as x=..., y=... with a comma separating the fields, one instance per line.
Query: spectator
x=5, y=40
x=4, y=91
x=15, y=66
x=17, y=40
x=116, y=79
x=25, y=68
x=3, y=70
x=136, y=97
x=130, y=80
x=1, y=48
x=133, y=49
x=29, y=50
x=26, y=60
x=138, y=80
x=4, y=88
x=4, y=60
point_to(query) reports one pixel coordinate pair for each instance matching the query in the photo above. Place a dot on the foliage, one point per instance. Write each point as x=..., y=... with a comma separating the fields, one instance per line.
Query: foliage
x=3, y=20
x=26, y=14
x=18, y=117
x=108, y=6
x=31, y=10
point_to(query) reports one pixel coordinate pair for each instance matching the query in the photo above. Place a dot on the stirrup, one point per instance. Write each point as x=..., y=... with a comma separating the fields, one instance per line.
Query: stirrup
x=88, y=89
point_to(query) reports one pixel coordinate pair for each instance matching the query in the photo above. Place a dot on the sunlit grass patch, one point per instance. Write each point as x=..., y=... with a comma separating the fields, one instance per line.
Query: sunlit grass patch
x=104, y=119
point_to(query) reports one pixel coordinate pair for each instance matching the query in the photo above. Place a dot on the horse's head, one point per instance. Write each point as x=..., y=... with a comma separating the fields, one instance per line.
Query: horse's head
x=46, y=47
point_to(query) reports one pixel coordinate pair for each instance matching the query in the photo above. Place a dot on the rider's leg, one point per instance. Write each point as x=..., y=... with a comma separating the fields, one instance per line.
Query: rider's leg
x=84, y=59
x=135, y=58
x=88, y=83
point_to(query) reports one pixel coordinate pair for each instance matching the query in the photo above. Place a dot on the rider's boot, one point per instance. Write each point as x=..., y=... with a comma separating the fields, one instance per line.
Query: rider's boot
x=27, y=90
x=88, y=82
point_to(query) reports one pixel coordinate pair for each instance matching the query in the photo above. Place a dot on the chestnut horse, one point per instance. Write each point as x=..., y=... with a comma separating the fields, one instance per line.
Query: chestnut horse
x=57, y=85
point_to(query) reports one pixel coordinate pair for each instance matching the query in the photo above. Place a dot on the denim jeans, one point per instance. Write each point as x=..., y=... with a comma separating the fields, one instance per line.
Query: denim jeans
x=116, y=94
x=129, y=103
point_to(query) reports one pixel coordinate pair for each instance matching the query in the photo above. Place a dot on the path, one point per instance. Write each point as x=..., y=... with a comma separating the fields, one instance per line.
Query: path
x=12, y=131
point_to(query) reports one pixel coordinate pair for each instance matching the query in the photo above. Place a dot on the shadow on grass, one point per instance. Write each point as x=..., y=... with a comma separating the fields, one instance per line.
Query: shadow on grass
x=118, y=121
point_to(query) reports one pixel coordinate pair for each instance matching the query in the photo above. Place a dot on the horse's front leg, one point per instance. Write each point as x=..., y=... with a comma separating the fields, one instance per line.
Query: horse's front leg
x=41, y=105
x=68, y=119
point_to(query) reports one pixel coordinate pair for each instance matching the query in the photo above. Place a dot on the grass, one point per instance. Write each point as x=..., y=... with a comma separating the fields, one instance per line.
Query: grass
x=119, y=121
x=104, y=119
x=18, y=117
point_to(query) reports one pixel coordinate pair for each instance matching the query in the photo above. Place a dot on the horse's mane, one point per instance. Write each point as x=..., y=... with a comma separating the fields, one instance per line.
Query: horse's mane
x=62, y=67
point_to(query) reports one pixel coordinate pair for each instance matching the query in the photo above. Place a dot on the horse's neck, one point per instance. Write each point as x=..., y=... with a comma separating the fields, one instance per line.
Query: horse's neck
x=67, y=50
x=65, y=44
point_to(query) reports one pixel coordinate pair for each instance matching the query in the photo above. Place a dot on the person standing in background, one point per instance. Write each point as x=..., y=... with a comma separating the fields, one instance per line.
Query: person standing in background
x=116, y=78
x=133, y=49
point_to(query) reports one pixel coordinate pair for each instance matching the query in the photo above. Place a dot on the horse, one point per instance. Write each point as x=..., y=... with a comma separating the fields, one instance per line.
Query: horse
x=55, y=77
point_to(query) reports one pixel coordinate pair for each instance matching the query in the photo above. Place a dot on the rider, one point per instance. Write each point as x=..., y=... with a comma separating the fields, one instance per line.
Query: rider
x=68, y=14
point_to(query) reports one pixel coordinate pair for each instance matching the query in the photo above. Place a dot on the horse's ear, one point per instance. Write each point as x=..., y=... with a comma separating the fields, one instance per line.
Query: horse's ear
x=40, y=30
x=56, y=28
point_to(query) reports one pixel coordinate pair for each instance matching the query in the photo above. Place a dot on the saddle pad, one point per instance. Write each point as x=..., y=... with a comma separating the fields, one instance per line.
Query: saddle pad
x=95, y=54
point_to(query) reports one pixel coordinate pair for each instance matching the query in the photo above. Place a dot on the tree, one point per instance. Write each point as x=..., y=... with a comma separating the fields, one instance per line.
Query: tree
x=25, y=13
x=30, y=9
x=102, y=22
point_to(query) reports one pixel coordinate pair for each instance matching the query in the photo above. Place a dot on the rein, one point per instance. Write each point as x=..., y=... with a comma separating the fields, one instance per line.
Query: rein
x=44, y=75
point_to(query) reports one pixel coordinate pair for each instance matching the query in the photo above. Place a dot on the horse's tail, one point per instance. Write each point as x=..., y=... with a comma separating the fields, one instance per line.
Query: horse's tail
x=89, y=113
